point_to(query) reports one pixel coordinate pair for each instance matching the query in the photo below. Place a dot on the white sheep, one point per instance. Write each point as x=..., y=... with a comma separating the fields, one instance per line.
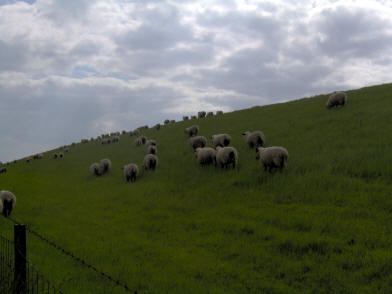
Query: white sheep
x=157, y=126
x=185, y=117
x=272, y=157
x=55, y=155
x=193, y=117
x=61, y=155
x=219, y=112
x=152, y=149
x=210, y=113
x=192, y=130
x=336, y=99
x=151, y=142
x=198, y=141
x=96, y=169
x=105, y=165
x=226, y=156
x=130, y=172
x=222, y=140
x=7, y=202
x=150, y=162
x=166, y=122
x=206, y=155
x=3, y=170
x=254, y=139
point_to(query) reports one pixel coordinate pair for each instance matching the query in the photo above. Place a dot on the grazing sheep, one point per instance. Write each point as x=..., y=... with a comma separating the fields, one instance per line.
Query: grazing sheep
x=38, y=156
x=219, y=112
x=152, y=149
x=166, y=122
x=105, y=165
x=201, y=114
x=198, y=141
x=7, y=202
x=73, y=144
x=157, y=126
x=336, y=99
x=192, y=130
x=210, y=113
x=84, y=141
x=115, y=138
x=222, y=140
x=255, y=138
x=226, y=156
x=55, y=155
x=66, y=149
x=28, y=159
x=150, y=162
x=61, y=155
x=96, y=169
x=3, y=170
x=193, y=117
x=206, y=155
x=185, y=117
x=172, y=121
x=140, y=140
x=151, y=142
x=272, y=157
x=136, y=132
x=130, y=172
x=123, y=132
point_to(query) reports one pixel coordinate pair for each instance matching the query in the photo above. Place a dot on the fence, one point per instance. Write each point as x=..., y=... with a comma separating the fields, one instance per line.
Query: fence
x=17, y=274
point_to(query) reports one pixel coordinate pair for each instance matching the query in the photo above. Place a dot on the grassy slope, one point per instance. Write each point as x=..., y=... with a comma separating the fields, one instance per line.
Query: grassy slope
x=321, y=226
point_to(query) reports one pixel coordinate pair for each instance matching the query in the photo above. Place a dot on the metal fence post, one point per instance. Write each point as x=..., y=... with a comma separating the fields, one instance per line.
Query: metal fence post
x=20, y=259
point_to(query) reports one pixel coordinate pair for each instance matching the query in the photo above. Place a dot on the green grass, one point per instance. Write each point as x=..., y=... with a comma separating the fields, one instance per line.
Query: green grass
x=323, y=225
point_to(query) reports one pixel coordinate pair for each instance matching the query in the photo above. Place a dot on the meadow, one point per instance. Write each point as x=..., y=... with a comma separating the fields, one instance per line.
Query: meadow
x=323, y=225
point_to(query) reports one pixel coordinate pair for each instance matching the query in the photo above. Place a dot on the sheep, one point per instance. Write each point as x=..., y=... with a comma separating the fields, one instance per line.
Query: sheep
x=222, y=140
x=166, y=122
x=272, y=157
x=3, y=170
x=206, y=155
x=38, y=156
x=140, y=140
x=198, y=141
x=210, y=113
x=226, y=156
x=185, y=117
x=7, y=202
x=201, y=114
x=105, y=165
x=152, y=149
x=219, y=112
x=84, y=141
x=150, y=162
x=336, y=99
x=61, y=154
x=66, y=149
x=254, y=139
x=28, y=159
x=130, y=172
x=96, y=169
x=123, y=132
x=136, y=132
x=192, y=130
x=172, y=121
x=151, y=142
x=193, y=117
x=55, y=155
x=157, y=126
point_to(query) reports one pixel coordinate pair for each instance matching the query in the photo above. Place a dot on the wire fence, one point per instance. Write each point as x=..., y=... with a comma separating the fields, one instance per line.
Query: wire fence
x=34, y=274
x=6, y=265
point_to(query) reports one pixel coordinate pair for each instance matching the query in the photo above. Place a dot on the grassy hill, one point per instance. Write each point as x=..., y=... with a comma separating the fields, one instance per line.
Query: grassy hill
x=323, y=225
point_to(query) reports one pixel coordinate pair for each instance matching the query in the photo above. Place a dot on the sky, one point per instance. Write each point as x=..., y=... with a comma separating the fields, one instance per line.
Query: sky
x=79, y=68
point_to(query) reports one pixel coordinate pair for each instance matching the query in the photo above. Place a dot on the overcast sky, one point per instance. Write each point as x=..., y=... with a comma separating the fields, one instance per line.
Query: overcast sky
x=79, y=68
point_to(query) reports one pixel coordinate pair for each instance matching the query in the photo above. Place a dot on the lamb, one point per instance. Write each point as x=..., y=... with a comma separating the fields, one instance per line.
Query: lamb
x=140, y=140
x=222, y=140
x=152, y=149
x=210, y=113
x=272, y=157
x=130, y=172
x=192, y=130
x=255, y=138
x=219, y=112
x=105, y=165
x=61, y=154
x=193, y=117
x=150, y=162
x=157, y=126
x=336, y=99
x=151, y=142
x=226, y=156
x=206, y=155
x=198, y=141
x=185, y=117
x=7, y=202
x=201, y=114
x=166, y=122
x=3, y=170
x=96, y=169
x=55, y=155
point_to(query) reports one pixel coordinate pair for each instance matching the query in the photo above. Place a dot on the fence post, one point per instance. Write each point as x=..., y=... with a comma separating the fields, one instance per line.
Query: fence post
x=20, y=259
